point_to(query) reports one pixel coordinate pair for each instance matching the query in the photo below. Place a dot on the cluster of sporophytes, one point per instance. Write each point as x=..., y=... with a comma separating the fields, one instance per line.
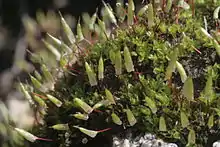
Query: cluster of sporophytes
x=156, y=70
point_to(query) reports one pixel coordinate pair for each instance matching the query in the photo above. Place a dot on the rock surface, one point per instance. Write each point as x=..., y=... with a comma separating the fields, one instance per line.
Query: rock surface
x=148, y=140
x=216, y=144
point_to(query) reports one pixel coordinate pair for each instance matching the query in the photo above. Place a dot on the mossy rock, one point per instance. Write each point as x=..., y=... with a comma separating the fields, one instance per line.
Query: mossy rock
x=151, y=73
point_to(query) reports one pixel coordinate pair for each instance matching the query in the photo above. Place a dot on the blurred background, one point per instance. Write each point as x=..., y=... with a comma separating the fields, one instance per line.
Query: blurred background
x=13, y=45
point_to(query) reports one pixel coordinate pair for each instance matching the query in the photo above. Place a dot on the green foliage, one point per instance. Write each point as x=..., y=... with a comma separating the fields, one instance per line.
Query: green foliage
x=130, y=79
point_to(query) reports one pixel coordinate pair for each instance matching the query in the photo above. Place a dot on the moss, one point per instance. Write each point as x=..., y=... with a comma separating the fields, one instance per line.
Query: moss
x=144, y=91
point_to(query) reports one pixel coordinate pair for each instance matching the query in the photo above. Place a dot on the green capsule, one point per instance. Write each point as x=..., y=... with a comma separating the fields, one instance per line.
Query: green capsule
x=40, y=101
x=46, y=73
x=101, y=69
x=36, y=58
x=26, y=94
x=150, y=16
x=130, y=20
x=181, y=71
x=217, y=47
x=92, y=21
x=168, y=6
x=131, y=3
x=216, y=12
x=103, y=29
x=86, y=19
x=81, y=116
x=184, y=119
x=130, y=116
x=28, y=136
x=54, y=100
x=116, y=119
x=84, y=106
x=90, y=133
x=80, y=36
x=118, y=63
x=102, y=25
x=37, y=75
x=205, y=33
x=162, y=124
x=142, y=10
x=52, y=49
x=67, y=30
x=188, y=89
x=35, y=82
x=91, y=75
x=128, y=60
x=60, y=127
x=59, y=43
x=101, y=103
x=109, y=96
x=63, y=63
x=110, y=13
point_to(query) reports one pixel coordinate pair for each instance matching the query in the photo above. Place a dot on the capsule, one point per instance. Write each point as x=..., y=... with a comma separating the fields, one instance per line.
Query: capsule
x=54, y=100
x=181, y=71
x=84, y=106
x=67, y=30
x=60, y=127
x=91, y=75
x=90, y=133
x=116, y=119
x=101, y=69
x=81, y=116
x=52, y=49
x=80, y=36
x=109, y=96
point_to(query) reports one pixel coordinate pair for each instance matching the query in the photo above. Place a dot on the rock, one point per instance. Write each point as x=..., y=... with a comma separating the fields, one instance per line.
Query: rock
x=148, y=140
x=216, y=144
x=126, y=143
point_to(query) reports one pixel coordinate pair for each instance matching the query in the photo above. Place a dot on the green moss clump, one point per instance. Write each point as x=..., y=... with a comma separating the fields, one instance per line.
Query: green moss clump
x=159, y=74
